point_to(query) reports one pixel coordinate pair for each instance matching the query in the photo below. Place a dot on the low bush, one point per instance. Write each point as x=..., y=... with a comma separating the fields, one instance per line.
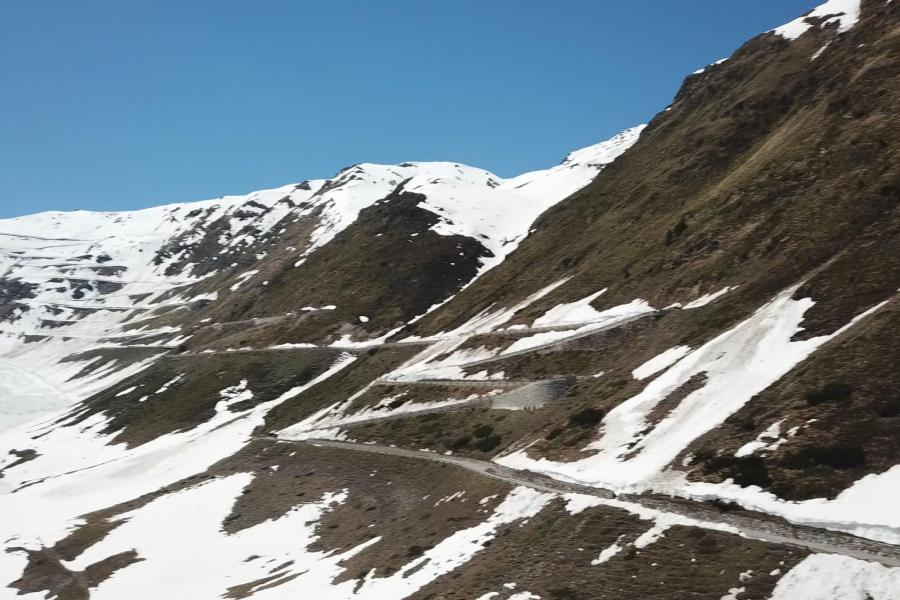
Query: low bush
x=563, y=593
x=486, y=444
x=707, y=545
x=744, y=470
x=483, y=431
x=836, y=456
x=586, y=417
x=890, y=407
x=553, y=433
x=830, y=392
x=397, y=403
x=415, y=551
x=459, y=443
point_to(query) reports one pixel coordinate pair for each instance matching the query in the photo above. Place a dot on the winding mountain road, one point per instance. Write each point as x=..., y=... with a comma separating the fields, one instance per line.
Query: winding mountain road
x=749, y=524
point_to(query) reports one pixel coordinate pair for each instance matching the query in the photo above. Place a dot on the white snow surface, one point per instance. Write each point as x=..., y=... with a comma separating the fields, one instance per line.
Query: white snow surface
x=835, y=577
x=78, y=463
x=94, y=273
x=707, y=298
x=24, y=396
x=206, y=562
x=634, y=455
x=763, y=440
x=843, y=12
x=607, y=553
x=427, y=363
x=660, y=522
x=563, y=316
x=660, y=362
x=81, y=466
x=712, y=64
x=499, y=212
x=569, y=313
x=445, y=359
x=335, y=416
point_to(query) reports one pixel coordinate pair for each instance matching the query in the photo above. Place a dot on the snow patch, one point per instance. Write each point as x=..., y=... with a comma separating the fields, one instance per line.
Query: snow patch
x=707, y=298
x=843, y=12
x=607, y=553
x=660, y=362
x=634, y=455
x=763, y=440
x=835, y=577
x=499, y=212
x=577, y=312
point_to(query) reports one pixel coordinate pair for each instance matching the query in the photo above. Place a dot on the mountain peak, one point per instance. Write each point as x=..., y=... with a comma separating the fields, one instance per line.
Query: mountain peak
x=844, y=13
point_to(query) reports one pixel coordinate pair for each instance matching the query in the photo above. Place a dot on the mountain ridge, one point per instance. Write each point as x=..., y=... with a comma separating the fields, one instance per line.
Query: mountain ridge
x=381, y=386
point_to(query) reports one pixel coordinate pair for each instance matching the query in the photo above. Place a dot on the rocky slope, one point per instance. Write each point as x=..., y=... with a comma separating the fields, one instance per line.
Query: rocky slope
x=663, y=368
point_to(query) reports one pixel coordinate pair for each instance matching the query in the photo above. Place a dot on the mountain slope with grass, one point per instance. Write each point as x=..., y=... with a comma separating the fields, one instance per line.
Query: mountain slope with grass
x=665, y=368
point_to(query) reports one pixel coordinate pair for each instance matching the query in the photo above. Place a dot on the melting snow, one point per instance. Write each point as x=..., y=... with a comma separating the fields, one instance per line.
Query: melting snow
x=454, y=551
x=706, y=299
x=607, y=553
x=25, y=397
x=332, y=417
x=763, y=440
x=81, y=465
x=232, y=395
x=634, y=454
x=499, y=212
x=834, y=577
x=577, y=312
x=703, y=69
x=819, y=52
x=843, y=12
x=242, y=278
x=605, y=319
x=204, y=562
x=660, y=362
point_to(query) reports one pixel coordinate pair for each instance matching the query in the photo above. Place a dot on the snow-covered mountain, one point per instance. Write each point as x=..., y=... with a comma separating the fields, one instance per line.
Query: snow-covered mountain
x=664, y=368
x=75, y=281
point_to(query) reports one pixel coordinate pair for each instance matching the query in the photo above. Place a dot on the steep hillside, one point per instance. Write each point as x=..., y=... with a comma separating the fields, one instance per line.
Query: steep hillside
x=665, y=368
x=386, y=241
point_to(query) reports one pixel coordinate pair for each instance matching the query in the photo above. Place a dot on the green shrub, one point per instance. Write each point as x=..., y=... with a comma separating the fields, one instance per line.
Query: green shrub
x=553, y=433
x=830, y=392
x=837, y=456
x=414, y=551
x=486, y=444
x=483, y=431
x=707, y=545
x=676, y=231
x=563, y=593
x=397, y=403
x=744, y=470
x=459, y=443
x=890, y=407
x=586, y=417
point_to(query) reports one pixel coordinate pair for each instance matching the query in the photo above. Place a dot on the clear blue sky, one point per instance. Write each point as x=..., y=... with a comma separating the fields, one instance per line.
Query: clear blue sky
x=109, y=105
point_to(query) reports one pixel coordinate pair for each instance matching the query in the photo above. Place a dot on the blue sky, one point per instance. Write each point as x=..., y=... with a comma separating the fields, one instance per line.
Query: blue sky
x=117, y=105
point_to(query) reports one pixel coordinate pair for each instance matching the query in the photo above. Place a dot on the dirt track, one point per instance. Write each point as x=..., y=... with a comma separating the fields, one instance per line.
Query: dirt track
x=749, y=524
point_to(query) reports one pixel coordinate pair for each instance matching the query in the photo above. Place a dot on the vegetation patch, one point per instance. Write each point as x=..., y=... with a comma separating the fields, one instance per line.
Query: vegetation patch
x=586, y=417
x=836, y=391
